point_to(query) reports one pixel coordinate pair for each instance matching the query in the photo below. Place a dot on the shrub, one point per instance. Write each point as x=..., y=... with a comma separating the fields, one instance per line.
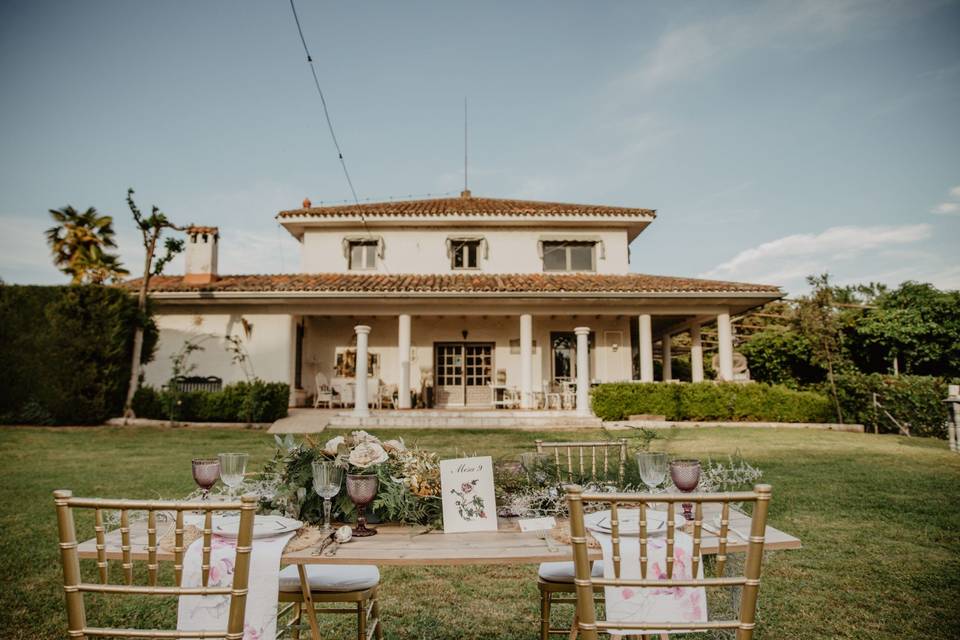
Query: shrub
x=255, y=401
x=915, y=401
x=65, y=353
x=710, y=401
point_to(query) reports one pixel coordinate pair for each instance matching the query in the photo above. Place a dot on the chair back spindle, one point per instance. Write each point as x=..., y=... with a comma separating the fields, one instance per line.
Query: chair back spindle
x=585, y=584
x=571, y=462
x=75, y=587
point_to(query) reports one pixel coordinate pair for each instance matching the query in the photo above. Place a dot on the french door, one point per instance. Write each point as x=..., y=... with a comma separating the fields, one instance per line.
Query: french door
x=462, y=373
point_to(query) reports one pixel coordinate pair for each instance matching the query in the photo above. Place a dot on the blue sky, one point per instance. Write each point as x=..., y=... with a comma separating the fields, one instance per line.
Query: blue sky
x=775, y=139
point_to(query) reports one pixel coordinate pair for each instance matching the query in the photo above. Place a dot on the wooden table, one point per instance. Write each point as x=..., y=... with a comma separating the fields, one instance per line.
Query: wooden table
x=402, y=545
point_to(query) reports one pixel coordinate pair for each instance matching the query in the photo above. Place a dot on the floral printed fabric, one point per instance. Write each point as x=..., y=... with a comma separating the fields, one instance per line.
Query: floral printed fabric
x=635, y=604
x=199, y=613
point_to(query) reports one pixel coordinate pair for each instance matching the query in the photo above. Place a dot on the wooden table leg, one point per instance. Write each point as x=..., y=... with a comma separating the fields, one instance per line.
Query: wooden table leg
x=308, y=602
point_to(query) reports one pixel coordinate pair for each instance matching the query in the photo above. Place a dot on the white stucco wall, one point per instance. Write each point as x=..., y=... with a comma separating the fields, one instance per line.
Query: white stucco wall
x=424, y=250
x=269, y=346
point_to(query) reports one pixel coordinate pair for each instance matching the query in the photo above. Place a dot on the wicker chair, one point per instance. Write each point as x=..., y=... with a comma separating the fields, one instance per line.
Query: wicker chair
x=587, y=583
x=574, y=460
x=75, y=587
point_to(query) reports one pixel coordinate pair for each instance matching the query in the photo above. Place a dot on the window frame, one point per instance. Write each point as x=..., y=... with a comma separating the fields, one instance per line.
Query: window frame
x=465, y=244
x=370, y=247
x=567, y=245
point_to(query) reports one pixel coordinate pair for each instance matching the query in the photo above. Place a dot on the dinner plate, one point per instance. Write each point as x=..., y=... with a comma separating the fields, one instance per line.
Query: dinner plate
x=599, y=521
x=263, y=526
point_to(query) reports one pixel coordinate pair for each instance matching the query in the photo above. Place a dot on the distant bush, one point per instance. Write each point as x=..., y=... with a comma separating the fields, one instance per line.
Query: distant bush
x=65, y=353
x=256, y=401
x=710, y=401
x=914, y=401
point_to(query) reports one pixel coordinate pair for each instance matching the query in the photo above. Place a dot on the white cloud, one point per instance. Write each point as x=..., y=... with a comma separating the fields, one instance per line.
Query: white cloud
x=946, y=207
x=787, y=261
x=955, y=192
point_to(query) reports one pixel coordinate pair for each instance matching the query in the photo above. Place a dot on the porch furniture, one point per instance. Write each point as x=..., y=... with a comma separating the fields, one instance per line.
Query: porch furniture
x=400, y=545
x=551, y=396
x=385, y=395
x=568, y=392
x=647, y=575
x=147, y=549
x=555, y=579
x=186, y=384
x=323, y=394
x=343, y=393
x=356, y=586
x=504, y=397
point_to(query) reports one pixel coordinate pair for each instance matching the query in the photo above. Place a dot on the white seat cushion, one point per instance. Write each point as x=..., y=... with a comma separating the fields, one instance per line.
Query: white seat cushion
x=563, y=571
x=331, y=577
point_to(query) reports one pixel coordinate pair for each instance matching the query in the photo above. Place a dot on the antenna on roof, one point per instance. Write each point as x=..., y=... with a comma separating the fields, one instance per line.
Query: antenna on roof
x=466, y=191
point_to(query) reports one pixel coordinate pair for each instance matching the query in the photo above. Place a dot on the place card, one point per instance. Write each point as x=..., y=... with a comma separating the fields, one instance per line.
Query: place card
x=469, y=500
x=537, y=524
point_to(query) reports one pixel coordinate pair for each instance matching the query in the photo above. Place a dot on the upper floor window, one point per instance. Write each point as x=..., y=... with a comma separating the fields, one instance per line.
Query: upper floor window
x=363, y=254
x=466, y=254
x=568, y=255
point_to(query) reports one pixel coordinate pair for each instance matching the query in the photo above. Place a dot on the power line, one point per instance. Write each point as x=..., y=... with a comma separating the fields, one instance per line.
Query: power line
x=323, y=101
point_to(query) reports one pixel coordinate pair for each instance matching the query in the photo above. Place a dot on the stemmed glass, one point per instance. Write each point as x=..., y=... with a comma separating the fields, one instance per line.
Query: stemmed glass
x=653, y=467
x=327, y=477
x=232, y=468
x=205, y=474
x=535, y=463
x=686, y=476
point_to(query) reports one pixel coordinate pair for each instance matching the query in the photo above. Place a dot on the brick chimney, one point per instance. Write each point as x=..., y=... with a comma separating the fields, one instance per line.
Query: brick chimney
x=201, y=255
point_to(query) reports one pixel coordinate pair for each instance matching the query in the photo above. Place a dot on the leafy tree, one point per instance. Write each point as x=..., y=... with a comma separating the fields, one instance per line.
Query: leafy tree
x=819, y=321
x=917, y=326
x=781, y=355
x=79, y=242
x=152, y=228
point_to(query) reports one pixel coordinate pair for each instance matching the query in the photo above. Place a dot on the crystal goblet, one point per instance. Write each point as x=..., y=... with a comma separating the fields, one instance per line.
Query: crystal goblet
x=232, y=468
x=205, y=474
x=653, y=467
x=327, y=477
x=362, y=489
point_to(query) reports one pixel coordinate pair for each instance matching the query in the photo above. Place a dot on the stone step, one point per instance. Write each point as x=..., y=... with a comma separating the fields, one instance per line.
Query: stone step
x=421, y=421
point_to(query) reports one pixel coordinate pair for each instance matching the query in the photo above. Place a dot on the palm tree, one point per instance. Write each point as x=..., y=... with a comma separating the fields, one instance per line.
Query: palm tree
x=79, y=242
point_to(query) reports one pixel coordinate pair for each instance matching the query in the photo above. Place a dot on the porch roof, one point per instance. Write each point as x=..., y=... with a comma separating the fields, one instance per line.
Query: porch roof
x=465, y=284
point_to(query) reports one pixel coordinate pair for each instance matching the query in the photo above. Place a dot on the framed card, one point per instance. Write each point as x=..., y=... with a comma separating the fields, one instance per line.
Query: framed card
x=469, y=500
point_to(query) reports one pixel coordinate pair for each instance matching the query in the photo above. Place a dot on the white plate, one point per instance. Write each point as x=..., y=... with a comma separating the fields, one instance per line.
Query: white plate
x=630, y=521
x=263, y=526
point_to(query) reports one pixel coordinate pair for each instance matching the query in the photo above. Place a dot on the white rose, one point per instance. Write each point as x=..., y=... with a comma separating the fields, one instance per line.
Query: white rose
x=367, y=454
x=397, y=445
x=333, y=444
x=359, y=437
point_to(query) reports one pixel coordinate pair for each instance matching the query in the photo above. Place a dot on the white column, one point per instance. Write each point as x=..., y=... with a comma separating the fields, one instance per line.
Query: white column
x=292, y=359
x=667, y=358
x=360, y=409
x=725, y=346
x=583, y=370
x=403, y=348
x=696, y=354
x=646, y=348
x=526, y=361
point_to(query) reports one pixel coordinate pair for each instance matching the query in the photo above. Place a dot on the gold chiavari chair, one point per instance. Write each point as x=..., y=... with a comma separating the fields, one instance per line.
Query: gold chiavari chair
x=599, y=461
x=586, y=583
x=75, y=588
x=356, y=586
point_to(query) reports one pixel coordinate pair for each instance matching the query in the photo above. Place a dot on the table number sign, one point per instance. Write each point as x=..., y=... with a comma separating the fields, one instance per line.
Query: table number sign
x=469, y=501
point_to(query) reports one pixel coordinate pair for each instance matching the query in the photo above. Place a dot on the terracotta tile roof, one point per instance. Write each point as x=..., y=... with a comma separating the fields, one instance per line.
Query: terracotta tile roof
x=347, y=283
x=467, y=206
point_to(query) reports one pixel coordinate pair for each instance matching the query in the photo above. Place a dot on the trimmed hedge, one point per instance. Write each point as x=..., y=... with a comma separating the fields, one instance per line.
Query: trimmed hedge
x=256, y=401
x=915, y=401
x=65, y=353
x=711, y=401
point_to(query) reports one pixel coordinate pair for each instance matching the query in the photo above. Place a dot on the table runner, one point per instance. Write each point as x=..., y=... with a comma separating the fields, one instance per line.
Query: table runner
x=638, y=604
x=196, y=613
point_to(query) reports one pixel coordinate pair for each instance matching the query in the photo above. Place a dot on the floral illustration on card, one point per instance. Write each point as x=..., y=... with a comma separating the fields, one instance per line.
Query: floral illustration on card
x=469, y=504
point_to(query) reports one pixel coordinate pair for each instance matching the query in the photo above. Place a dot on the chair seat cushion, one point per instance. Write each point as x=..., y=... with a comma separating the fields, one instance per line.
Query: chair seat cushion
x=331, y=577
x=563, y=571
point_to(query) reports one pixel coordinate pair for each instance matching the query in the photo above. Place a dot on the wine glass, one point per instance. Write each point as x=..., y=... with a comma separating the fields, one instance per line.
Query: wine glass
x=653, y=467
x=327, y=477
x=205, y=474
x=535, y=463
x=232, y=468
x=686, y=476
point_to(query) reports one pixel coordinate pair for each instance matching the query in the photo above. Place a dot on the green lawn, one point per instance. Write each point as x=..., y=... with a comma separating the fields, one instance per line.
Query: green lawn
x=878, y=516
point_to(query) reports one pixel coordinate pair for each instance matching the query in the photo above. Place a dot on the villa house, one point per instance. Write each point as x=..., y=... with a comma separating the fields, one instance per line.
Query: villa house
x=457, y=300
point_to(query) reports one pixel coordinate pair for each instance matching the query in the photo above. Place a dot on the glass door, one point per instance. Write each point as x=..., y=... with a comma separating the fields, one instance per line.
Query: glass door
x=463, y=372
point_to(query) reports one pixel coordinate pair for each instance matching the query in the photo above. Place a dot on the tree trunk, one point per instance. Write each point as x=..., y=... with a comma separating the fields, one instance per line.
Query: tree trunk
x=833, y=387
x=128, y=412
